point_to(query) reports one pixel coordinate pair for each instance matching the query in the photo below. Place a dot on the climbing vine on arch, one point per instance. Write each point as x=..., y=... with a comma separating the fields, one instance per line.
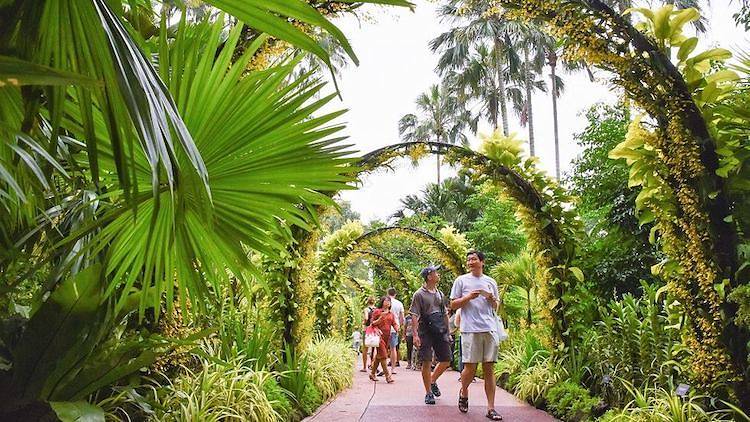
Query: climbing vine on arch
x=348, y=243
x=544, y=208
x=680, y=158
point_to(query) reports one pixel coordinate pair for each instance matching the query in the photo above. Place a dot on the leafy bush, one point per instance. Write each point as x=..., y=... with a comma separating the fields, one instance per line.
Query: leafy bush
x=219, y=391
x=279, y=399
x=330, y=365
x=533, y=382
x=295, y=379
x=245, y=333
x=638, y=341
x=526, y=367
x=311, y=399
x=570, y=402
x=519, y=354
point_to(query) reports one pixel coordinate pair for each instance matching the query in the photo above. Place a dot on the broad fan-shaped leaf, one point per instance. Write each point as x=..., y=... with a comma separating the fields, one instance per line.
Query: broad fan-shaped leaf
x=265, y=156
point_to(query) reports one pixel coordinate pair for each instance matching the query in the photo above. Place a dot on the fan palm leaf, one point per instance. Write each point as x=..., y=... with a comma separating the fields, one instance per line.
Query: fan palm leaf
x=264, y=154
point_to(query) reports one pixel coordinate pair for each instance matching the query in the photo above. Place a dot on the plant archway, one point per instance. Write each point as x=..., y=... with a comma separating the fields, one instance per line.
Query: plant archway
x=545, y=210
x=451, y=258
x=349, y=242
x=683, y=161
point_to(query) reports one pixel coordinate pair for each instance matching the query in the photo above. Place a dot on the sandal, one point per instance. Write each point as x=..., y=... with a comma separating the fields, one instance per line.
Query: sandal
x=493, y=415
x=372, y=377
x=363, y=370
x=389, y=379
x=463, y=404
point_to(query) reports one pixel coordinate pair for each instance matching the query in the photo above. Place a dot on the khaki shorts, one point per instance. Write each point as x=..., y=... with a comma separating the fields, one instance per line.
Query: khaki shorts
x=478, y=348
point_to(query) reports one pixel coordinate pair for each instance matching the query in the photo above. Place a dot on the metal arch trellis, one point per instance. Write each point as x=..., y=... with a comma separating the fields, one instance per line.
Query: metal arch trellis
x=456, y=153
x=553, y=236
x=454, y=261
x=381, y=259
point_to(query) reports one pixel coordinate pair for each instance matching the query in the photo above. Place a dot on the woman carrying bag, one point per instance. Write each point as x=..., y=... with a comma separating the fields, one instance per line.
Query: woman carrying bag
x=382, y=321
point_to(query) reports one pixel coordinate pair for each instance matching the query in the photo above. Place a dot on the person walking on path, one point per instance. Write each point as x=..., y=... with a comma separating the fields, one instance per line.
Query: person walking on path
x=384, y=320
x=476, y=295
x=430, y=331
x=366, y=320
x=408, y=324
x=398, y=312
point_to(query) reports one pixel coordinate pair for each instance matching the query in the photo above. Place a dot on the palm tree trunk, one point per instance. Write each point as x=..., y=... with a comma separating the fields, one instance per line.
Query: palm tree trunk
x=501, y=89
x=529, y=114
x=552, y=58
x=438, y=169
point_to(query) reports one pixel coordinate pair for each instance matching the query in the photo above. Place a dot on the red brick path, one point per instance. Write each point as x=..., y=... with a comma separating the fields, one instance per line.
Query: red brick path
x=404, y=401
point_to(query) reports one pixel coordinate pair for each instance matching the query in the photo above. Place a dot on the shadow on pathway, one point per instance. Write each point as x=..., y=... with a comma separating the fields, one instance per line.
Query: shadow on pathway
x=404, y=401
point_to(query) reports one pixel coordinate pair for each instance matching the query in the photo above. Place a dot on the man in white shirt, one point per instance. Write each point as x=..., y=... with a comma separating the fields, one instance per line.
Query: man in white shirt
x=397, y=308
x=475, y=294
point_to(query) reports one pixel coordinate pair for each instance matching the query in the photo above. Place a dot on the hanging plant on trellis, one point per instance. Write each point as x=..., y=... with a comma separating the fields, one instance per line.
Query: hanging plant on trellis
x=452, y=256
x=335, y=246
x=681, y=159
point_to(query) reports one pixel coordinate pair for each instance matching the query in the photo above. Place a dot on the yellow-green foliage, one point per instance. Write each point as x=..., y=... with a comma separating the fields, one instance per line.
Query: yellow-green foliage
x=217, y=392
x=454, y=240
x=304, y=277
x=335, y=246
x=686, y=137
x=330, y=365
x=505, y=150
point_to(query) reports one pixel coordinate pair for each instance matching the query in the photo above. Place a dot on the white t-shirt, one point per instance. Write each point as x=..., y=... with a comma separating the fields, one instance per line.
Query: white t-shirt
x=477, y=316
x=356, y=336
x=398, y=312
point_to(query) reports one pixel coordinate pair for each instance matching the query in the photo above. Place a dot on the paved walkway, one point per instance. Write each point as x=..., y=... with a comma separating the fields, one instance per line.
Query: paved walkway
x=404, y=401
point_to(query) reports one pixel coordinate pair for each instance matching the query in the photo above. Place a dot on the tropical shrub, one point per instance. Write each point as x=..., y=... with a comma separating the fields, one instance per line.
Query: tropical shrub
x=519, y=355
x=244, y=335
x=659, y=404
x=637, y=341
x=570, y=402
x=330, y=365
x=533, y=382
x=311, y=399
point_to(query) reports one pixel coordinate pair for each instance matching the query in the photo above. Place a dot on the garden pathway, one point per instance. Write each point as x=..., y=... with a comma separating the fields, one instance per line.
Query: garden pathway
x=404, y=401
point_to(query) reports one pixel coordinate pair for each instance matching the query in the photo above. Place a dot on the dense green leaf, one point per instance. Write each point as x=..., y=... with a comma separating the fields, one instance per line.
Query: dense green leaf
x=79, y=411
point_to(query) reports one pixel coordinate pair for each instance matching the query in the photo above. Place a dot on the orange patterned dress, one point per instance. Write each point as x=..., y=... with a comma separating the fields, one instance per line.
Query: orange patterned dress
x=384, y=325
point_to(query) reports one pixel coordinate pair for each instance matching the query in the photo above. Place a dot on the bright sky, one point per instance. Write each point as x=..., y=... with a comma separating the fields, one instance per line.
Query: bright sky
x=396, y=65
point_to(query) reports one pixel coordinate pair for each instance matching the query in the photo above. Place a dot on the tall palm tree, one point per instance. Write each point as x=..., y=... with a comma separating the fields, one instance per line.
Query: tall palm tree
x=478, y=47
x=484, y=50
x=446, y=201
x=534, y=44
x=441, y=118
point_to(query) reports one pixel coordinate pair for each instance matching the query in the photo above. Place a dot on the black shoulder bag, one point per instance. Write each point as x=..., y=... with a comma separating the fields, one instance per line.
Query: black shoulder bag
x=434, y=323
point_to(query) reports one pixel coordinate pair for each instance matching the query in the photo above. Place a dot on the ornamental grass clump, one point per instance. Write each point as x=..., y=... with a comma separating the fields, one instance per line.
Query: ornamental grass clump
x=330, y=365
x=219, y=391
x=659, y=404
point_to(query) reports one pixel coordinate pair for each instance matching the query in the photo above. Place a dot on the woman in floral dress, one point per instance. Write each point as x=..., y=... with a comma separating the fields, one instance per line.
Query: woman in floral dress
x=383, y=320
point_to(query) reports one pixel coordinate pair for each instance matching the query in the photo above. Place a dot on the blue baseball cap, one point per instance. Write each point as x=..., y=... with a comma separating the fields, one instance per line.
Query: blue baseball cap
x=427, y=270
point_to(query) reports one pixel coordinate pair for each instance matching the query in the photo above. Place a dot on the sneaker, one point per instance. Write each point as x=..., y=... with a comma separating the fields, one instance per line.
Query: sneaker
x=429, y=398
x=380, y=374
x=435, y=389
